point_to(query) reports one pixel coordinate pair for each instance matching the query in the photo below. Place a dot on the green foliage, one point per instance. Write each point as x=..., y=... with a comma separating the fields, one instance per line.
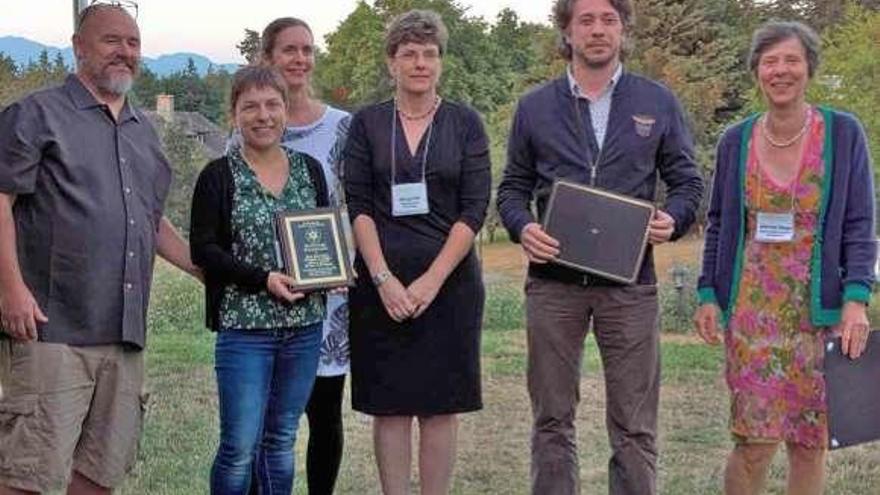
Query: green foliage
x=186, y=159
x=192, y=92
x=504, y=308
x=146, y=87
x=16, y=81
x=677, y=306
x=850, y=71
x=249, y=47
x=481, y=66
x=353, y=71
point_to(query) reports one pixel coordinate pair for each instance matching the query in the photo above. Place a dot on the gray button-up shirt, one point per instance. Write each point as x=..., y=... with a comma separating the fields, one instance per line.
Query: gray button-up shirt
x=90, y=193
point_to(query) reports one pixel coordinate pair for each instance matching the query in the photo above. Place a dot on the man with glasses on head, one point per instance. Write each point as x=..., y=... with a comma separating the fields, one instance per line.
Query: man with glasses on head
x=603, y=126
x=82, y=186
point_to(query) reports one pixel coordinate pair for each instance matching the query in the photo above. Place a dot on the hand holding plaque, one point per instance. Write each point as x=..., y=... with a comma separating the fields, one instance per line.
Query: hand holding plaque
x=314, y=248
x=599, y=232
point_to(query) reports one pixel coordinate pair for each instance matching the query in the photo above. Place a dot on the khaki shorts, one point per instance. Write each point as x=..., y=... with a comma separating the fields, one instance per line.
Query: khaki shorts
x=64, y=407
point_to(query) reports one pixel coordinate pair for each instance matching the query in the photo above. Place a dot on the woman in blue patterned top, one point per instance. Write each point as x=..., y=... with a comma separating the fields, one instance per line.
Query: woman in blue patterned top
x=269, y=339
x=317, y=130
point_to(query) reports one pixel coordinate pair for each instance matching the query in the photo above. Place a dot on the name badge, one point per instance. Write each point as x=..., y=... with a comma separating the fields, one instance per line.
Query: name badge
x=409, y=199
x=775, y=227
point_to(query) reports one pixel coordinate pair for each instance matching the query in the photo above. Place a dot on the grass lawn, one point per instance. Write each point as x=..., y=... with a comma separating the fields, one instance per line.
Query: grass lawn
x=181, y=430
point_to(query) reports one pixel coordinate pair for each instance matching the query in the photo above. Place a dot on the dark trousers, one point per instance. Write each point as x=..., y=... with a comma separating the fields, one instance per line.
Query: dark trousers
x=625, y=324
x=324, y=412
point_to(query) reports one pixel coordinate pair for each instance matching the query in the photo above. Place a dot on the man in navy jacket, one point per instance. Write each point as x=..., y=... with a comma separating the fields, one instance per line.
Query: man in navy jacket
x=602, y=126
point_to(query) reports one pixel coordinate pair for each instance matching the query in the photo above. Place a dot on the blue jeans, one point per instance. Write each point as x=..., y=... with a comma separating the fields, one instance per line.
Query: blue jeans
x=264, y=379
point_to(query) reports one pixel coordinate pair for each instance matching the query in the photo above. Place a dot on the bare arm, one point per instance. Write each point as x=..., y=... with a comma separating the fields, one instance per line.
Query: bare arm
x=18, y=308
x=174, y=249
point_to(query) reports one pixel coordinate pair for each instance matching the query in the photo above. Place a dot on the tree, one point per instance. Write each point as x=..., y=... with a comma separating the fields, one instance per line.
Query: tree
x=186, y=159
x=146, y=87
x=190, y=94
x=9, y=80
x=218, y=85
x=850, y=71
x=820, y=14
x=353, y=71
x=249, y=47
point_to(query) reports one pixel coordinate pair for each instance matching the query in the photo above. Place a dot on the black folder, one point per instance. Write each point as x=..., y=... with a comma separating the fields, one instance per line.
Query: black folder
x=599, y=232
x=852, y=389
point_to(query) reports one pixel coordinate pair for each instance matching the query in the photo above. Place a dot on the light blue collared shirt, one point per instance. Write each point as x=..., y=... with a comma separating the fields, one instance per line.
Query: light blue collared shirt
x=600, y=109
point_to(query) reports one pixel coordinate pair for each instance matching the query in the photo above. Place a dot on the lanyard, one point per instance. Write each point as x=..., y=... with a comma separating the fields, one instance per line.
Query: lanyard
x=394, y=146
x=582, y=130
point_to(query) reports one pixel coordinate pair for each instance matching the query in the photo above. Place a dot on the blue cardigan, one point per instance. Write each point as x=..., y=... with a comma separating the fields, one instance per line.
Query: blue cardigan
x=842, y=266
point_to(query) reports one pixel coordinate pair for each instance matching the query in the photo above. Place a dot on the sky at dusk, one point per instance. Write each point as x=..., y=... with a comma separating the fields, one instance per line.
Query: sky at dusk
x=211, y=27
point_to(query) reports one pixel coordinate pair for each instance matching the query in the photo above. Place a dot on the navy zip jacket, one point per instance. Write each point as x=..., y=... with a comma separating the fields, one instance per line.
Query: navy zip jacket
x=646, y=137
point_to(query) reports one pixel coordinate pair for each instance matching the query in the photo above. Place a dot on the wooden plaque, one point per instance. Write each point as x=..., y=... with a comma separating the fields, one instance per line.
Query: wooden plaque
x=314, y=248
x=599, y=232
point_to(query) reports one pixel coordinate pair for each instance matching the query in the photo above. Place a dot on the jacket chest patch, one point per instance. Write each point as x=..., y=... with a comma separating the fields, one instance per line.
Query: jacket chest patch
x=644, y=124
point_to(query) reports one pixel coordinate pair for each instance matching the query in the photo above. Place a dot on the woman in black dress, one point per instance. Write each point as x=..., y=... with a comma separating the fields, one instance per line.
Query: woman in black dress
x=418, y=183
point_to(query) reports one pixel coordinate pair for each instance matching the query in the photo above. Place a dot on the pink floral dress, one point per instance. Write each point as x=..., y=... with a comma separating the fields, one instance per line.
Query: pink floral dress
x=774, y=353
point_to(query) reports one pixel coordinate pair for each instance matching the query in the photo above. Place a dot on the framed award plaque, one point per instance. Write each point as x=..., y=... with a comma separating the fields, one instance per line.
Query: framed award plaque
x=314, y=248
x=599, y=232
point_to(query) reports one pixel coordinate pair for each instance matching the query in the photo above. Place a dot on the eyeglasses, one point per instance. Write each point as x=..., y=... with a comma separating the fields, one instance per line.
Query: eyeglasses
x=410, y=56
x=129, y=6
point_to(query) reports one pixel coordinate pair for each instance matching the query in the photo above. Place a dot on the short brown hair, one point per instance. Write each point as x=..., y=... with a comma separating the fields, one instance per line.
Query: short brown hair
x=267, y=39
x=416, y=26
x=563, y=10
x=776, y=32
x=256, y=76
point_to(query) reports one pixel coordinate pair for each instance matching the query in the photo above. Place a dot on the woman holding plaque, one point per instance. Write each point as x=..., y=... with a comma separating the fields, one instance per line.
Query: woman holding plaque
x=317, y=130
x=788, y=260
x=417, y=180
x=269, y=334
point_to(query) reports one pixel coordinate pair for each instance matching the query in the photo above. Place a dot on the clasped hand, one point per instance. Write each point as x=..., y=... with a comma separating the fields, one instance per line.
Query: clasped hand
x=402, y=302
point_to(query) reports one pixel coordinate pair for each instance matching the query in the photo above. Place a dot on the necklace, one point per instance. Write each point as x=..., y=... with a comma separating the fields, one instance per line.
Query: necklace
x=408, y=116
x=788, y=142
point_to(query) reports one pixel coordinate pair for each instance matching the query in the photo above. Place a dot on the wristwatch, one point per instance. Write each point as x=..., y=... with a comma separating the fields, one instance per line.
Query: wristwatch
x=381, y=277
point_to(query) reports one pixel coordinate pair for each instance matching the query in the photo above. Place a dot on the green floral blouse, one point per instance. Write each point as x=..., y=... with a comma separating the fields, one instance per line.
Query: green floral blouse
x=253, y=230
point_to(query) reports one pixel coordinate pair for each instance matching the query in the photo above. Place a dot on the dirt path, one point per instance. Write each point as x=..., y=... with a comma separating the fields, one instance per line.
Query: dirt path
x=505, y=261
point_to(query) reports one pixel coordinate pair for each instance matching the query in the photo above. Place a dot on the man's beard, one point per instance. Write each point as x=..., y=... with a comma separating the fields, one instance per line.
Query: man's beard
x=117, y=85
x=594, y=63
x=114, y=84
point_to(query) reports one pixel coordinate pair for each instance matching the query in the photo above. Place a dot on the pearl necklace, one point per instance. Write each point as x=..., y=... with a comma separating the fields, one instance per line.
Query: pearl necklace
x=407, y=116
x=784, y=144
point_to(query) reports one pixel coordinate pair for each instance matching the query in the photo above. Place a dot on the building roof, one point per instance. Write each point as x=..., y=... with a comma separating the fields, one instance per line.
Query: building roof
x=210, y=136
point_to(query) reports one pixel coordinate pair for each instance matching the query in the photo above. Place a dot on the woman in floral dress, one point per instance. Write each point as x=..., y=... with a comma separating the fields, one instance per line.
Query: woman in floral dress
x=788, y=260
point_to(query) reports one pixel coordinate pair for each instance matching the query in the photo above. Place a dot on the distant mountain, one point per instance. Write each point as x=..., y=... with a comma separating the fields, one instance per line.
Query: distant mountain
x=166, y=64
x=23, y=51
